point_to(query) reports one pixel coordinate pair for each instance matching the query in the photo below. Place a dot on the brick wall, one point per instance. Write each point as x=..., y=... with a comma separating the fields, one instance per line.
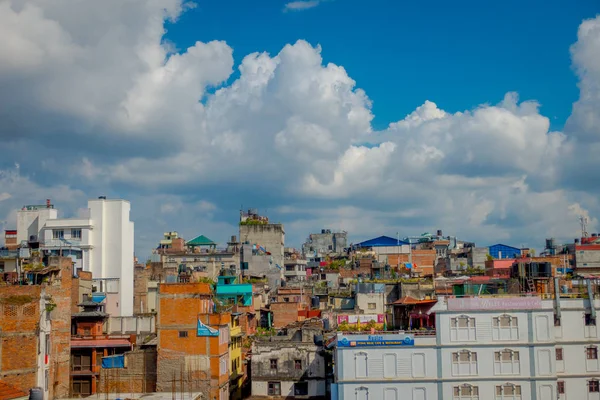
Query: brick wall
x=180, y=306
x=60, y=335
x=19, y=313
x=139, y=376
x=284, y=314
x=140, y=288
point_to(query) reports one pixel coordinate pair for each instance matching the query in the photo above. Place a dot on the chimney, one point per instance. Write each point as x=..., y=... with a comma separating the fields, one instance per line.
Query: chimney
x=48, y=205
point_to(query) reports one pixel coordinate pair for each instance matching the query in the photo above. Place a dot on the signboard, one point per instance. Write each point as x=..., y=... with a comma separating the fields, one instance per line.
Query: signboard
x=494, y=303
x=364, y=319
x=204, y=330
x=375, y=340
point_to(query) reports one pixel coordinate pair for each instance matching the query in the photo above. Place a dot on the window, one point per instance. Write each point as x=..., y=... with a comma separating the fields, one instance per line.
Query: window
x=81, y=362
x=592, y=353
x=298, y=364
x=47, y=344
x=506, y=362
x=593, y=386
x=330, y=247
x=464, y=363
x=589, y=321
x=58, y=234
x=360, y=360
x=301, y=389
x=372, y=306
x=505, y=327
x=273, y=363
x=75, y=233
x=81, y=387
x=466, y=392
x=560, y=387
x=462, y=328
x=559, y=354
x=505, y=321
x=556, y=320
x=183, y=334
x=508, y=392
x=274, y=389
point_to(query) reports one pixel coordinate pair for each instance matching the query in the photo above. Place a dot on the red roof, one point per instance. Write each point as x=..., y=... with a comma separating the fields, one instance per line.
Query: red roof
x=588, y=247
x=480, y=278
x=408, y=300
x=9, y=392
x=100, y=343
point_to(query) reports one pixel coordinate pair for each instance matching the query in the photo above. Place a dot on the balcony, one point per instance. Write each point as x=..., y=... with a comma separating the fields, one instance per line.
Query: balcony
x=235, y=331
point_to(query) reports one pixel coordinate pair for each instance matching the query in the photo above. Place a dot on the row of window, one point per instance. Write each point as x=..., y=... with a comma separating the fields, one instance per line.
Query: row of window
x=60, y=234
x=300, y=389
x=507, y=391
x=273, y=364
x=591, y=353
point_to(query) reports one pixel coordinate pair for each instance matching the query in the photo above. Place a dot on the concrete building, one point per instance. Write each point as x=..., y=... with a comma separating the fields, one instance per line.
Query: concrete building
x=587, y=255
x=255, y=262
x=321, y=244
x=101, y=243
x=290, y=365
x=31, y=219
x=258, y=232
x=518, y=348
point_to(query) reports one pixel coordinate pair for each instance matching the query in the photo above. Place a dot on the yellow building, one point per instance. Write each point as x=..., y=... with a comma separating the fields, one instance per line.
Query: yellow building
x=235, y=355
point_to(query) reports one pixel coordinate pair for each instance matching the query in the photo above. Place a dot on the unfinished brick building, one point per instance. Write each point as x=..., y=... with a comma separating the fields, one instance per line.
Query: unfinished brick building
x=35, y=328
x=193, y=341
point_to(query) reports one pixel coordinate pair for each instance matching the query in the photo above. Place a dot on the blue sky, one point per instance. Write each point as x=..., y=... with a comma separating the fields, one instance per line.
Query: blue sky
x=477, y=118
x=457, y=54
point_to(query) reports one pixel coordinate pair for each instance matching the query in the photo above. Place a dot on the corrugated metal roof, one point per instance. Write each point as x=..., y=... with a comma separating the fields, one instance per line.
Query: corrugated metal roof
x=200, y=241
x=380, y=242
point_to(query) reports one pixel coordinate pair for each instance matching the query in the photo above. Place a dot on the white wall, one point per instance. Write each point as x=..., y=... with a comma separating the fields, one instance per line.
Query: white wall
x=393, y=373
x=113, y=238
x=29, y=222
x=364, y=299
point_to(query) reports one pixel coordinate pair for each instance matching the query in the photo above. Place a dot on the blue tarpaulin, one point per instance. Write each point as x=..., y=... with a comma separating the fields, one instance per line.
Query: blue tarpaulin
x=98, y=298
x=113, y=362
x=204, y=330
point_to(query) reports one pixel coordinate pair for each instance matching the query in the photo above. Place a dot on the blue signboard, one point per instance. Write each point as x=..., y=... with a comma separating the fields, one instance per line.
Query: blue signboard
x=375, y=340
x=204, y=330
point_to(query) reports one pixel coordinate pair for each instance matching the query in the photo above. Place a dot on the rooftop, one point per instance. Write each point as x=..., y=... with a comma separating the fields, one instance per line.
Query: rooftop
x=200, y=241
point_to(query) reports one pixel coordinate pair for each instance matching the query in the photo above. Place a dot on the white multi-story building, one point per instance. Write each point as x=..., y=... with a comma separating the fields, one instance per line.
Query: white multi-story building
x=101, y=242
x=497, y=348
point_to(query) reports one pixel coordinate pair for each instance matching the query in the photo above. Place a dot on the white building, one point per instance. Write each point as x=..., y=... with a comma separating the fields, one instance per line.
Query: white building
x=497, y=348
x=101, y=242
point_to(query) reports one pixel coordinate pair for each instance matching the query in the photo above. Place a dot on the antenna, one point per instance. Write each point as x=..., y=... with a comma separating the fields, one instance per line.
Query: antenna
x=583, y=221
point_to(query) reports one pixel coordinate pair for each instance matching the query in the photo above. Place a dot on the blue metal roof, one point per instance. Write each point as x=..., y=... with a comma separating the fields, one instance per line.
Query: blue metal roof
x=501, y=251
x=380, y=242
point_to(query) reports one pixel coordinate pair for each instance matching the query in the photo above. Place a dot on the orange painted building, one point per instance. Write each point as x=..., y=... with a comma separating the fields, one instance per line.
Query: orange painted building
x=193, y=341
